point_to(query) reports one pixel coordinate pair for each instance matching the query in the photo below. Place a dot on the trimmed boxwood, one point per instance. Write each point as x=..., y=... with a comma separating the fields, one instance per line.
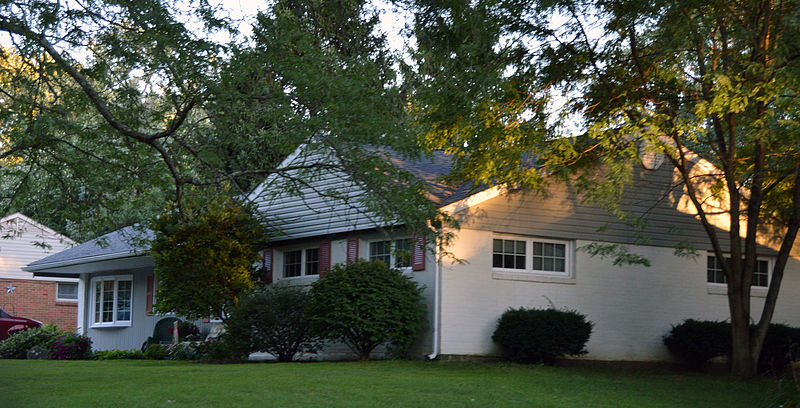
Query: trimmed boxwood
x=541, y=335
x=698, y=341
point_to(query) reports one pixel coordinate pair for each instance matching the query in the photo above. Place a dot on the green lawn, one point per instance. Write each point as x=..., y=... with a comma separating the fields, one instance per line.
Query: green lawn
x=371, y=384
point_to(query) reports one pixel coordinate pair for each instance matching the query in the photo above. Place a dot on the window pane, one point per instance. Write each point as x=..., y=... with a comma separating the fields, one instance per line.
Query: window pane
x=98, y=300
x=124, y=300
x=520, y=264
x=292, y=262
x=381, y=251
x=312, y=261
x=67, y=290
x=715, y=274
x=509, y=253
x=497, y=245
x=108, y=301
x=761, y=274
x=497, y=260
x=549, y=257
x=402, y=254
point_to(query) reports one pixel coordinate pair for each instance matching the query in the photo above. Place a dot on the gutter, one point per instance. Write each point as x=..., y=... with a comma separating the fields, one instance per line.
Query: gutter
x=88, y=259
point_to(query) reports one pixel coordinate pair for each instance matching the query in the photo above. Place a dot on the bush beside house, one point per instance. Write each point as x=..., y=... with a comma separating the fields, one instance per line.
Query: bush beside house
x=366, y=304
x=696, y=342
x=273, y=320
x=541, y=335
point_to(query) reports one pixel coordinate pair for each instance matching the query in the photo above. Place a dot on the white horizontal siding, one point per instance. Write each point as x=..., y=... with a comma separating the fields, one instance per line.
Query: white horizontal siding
x=308, y=202
x=21, y=245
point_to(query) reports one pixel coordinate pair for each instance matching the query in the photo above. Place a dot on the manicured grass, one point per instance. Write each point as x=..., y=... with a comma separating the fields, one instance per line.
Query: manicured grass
x=370, y=384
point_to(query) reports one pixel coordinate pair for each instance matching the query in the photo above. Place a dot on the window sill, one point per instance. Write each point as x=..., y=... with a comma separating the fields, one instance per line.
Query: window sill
x=758, y=292
x=298, y=280
x=66, y=302
x=532, y=277
x=110, y=325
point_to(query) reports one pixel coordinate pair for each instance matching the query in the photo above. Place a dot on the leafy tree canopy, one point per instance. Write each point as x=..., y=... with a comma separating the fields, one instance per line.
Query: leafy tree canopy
x=717, y=78
x=205, y=255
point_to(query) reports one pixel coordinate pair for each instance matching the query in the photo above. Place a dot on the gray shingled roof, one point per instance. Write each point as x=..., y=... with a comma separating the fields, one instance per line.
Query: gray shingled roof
x=431, y=171
x=123, y=242
x=133, y=240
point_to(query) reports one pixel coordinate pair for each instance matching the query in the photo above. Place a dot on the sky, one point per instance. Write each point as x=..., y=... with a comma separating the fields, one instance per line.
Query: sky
x=392, y=20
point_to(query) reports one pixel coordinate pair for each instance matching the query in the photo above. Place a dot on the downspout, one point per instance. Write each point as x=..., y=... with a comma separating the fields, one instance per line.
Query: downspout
x=436, y=305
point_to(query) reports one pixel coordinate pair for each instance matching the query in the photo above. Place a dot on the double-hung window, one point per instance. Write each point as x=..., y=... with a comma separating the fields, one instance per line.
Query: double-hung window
x=716, y=275
x=112, y=300
x=532, y=255
x=301, y=262
x=67, y=291
x=396, y=253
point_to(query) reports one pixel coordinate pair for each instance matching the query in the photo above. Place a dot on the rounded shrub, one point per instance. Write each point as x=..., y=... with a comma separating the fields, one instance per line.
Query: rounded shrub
x=272, y=320
x=698, y=341
x=541, y=335
x=18, y=344
x=367, y=304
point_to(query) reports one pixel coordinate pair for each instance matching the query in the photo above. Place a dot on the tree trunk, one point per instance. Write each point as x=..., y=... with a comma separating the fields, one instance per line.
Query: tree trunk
x=742, y=363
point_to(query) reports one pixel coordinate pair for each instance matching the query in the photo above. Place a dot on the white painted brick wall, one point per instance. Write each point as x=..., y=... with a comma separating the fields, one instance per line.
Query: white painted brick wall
x=632, y=307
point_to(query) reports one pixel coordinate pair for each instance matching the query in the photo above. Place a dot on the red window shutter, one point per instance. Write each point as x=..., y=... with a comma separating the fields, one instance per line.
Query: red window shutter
x=352, y=249
x=418, y=254
x=324, y=258
x=149, y=300
x=267, y=278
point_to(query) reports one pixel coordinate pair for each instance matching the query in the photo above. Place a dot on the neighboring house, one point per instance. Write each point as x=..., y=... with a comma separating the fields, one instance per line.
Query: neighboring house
x=512, y=250
x=115, y=287
x=46, y=299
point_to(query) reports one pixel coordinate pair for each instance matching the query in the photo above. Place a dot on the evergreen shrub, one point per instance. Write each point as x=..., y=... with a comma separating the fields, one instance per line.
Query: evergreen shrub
x=541, y=335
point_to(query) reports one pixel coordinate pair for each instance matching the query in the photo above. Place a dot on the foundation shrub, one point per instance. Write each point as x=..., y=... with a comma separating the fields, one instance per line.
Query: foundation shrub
x=273, y=320
x=541, y=335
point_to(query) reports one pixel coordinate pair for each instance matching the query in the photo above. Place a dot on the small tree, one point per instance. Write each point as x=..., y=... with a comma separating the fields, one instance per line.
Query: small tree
x=204, y=254
x=366, y=304
x=274, y=320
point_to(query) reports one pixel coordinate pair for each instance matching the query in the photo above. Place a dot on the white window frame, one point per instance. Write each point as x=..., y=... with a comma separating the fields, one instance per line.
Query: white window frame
x=93, y=301
x=60, y=299
x=393, y=252
x=722, y=288
x=530, y=274
x=303, y=259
